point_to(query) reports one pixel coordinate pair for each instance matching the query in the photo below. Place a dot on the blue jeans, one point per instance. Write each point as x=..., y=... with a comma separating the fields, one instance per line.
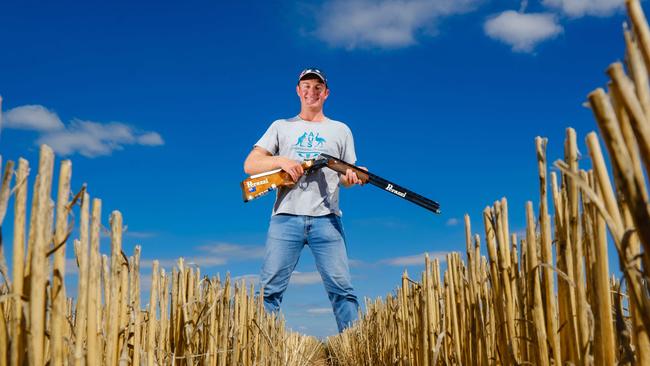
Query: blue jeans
x=287, y=235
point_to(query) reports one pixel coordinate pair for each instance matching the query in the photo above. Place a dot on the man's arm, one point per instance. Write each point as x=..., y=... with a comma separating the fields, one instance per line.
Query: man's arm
x=259, y=161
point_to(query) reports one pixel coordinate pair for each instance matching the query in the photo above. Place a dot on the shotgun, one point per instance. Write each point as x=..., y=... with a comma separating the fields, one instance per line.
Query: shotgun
x=260, y=184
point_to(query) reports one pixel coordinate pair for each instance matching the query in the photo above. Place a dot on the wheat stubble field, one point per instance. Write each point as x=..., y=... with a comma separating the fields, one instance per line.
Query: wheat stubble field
x=550, y=297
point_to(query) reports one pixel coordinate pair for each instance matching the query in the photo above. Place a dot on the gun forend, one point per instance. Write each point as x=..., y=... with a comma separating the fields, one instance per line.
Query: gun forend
x=341, y=167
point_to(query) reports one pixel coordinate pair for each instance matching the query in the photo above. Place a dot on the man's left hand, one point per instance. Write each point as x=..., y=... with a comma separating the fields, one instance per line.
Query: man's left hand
x=350, y=178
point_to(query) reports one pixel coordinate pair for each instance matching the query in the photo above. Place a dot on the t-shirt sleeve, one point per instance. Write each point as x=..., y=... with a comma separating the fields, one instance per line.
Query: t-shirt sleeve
x=270, y=141
x=348, y=154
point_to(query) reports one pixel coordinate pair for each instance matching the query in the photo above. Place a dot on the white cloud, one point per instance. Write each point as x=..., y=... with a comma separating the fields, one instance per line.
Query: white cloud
x=200, y=261
x=92, y=139
x=211, y=255
x=71, y=267
x=452, y=222
x=233, y=251
x=249, y=278
x=413, y=260
x=356, y=263
x=522, y=31
x=392, y=223
x=145, y=285
x=150, y=139
x=579, y=8
x=140, y=234
x=87, y=138
x=304, y=278
x=385, y=23
x=520, y=233
x=319, y=311
x=32, y=117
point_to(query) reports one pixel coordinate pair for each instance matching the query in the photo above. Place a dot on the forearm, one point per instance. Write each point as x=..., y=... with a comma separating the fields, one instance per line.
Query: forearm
x=260, y=164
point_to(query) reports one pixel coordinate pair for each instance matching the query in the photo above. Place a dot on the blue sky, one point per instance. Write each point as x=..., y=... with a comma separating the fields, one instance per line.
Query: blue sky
x=158, y=104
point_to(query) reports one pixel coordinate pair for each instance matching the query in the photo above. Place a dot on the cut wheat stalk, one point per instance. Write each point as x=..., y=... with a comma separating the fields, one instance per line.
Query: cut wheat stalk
x=20, y=212
x=40, y=233
x=58, y=322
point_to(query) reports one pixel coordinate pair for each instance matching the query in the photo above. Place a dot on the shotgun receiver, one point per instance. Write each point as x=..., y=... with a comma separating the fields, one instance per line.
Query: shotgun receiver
x=260, y=184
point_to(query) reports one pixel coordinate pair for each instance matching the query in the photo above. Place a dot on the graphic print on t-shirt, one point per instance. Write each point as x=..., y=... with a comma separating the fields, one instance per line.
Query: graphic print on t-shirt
x=309, y=145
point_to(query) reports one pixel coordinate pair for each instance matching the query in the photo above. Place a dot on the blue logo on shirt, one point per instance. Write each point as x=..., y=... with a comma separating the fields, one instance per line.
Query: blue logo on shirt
x=308, y=141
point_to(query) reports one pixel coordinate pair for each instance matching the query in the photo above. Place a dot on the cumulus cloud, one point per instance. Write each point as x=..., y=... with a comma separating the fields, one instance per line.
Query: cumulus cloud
x=92, y=139
x=32, y=117
x=233, y=251
x=305, y=278
x=413, y=260
x=145, y=285
x=248, y=278
x=140, y=234
x=392, y=223
x=200, y=261
x=452, y=222
x=319, y=311
x=150, y=139
x=579, y=8
x=210, y=255
x=71, y=267
x=385, y=23
x=88, y=138
x=356, y=263
x=522, y=31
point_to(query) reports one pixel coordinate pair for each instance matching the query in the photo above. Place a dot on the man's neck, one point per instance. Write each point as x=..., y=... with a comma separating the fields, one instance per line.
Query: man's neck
x=312, y=116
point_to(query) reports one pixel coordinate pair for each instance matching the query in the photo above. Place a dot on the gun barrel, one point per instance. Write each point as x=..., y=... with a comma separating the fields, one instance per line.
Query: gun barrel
x=341, y=166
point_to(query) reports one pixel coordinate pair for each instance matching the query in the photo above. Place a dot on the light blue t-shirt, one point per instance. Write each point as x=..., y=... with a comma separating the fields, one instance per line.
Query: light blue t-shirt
x=316, y=194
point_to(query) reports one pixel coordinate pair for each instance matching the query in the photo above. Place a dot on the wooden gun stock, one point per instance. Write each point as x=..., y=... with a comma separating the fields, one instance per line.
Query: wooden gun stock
x=258, y=185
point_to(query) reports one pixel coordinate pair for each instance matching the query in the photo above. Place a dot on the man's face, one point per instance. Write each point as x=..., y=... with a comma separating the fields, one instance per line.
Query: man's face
x=312, y=93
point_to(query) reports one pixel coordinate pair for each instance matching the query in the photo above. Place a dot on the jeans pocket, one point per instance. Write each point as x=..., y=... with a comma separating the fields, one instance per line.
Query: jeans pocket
x=337, y=224
x=280, y=218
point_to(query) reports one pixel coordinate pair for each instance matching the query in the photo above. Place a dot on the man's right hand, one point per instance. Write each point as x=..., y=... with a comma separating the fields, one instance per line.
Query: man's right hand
x=292, y=167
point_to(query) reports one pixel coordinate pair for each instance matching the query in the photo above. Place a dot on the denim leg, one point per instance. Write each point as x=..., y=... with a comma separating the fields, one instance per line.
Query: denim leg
x=284, y=242
x=327, y=242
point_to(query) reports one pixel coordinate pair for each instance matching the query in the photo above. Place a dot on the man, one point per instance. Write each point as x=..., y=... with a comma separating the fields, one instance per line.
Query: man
x=307, y=213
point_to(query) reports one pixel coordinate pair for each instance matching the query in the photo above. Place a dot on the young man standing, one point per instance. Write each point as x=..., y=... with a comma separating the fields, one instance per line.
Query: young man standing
x=307, y=213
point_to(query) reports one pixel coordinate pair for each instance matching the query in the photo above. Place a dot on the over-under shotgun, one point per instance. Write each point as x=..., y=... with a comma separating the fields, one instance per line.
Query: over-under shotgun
x=260, y=184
